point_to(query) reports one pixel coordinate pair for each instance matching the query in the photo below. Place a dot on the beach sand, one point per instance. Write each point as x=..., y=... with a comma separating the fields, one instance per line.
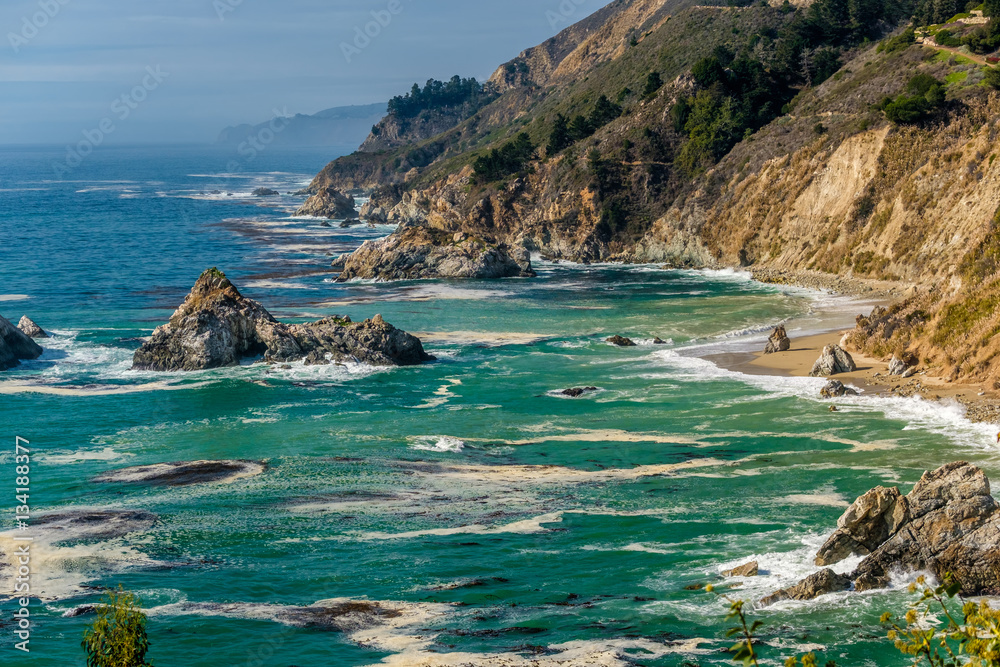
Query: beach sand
x=872, y=376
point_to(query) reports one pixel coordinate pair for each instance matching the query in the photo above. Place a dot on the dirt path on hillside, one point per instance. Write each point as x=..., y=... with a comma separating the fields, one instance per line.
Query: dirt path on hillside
x=950, y=49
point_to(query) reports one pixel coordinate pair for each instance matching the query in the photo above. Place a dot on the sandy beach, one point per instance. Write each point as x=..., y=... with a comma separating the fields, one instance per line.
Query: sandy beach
x=872, y=375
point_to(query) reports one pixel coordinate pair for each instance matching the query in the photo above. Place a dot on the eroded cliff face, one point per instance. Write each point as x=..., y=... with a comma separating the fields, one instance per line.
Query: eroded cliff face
x=830, y=186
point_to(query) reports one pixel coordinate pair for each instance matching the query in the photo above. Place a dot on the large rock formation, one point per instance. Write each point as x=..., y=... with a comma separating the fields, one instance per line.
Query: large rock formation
x=948, y=523
x=778, y=341
x=834, y=359
x=15, y=346
x=216, y=326
x=30, y=329
x=421, y=252
x=329, y=203
x=865, y=526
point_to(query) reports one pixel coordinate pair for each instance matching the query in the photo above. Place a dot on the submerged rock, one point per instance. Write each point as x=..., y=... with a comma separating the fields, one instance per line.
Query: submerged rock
x=216, y=326
x=834, y=360
x=948, y=523
x=620, y=341
x=576, y=392
x=265, y=192
x=30, y=329
x=751, y=569
x=184, y=473
x=421, y=252
x=329, y=203
x=15, y=346
x=836, y=389
x=778, y=341
x=87, y=525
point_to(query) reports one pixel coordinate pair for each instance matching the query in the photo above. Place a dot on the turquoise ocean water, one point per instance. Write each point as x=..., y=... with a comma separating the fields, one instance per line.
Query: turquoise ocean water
x=503, y=522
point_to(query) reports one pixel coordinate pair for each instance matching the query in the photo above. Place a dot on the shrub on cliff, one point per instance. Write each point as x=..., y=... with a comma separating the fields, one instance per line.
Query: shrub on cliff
x=511, y=158
x=923, y=95
x=118, y=637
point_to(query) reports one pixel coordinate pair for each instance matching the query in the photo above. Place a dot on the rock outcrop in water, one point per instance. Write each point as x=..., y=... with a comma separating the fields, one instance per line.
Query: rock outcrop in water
x=834, y=360
x=329, y=203
x=620, y=341
x=15, y=346
x=948, y=523
x=778, y=341
x=30, y=329
x=216, y=326
x=836, y=389
x=184, y=473
x=417, y=252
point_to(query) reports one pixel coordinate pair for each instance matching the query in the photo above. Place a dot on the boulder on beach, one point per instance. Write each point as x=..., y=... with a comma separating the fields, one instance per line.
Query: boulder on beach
x=836, y=389
x=30, y=329
x=834, y=360
x=419, y=252
x=15, y=346
x=948, y=523
x=329, y=203
x=897, y=366
x=620, y=341
x=216, y=326
x=778, y=341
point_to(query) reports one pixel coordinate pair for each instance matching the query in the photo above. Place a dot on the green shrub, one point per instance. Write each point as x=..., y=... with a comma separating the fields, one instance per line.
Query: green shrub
x=118, y=637
x=899, y=42
x=511, y=158
x=924, y=94
x=653, y=83
x=992, y=77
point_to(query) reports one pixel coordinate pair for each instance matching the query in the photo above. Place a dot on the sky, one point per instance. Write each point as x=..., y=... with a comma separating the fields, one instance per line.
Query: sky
x=164, y=71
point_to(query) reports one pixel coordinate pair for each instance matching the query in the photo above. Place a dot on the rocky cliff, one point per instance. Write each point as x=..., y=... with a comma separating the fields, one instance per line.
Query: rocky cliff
x=730, y=144
x=216, y=326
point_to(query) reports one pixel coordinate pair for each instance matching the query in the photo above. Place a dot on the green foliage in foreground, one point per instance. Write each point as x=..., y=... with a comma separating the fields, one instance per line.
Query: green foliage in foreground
x=118, y=637
x=930, y=631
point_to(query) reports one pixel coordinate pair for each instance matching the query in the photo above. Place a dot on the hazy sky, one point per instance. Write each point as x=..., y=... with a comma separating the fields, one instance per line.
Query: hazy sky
x=188, y=68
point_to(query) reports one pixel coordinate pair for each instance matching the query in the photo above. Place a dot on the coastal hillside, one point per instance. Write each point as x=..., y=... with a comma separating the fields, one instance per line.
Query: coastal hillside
x=852, y=140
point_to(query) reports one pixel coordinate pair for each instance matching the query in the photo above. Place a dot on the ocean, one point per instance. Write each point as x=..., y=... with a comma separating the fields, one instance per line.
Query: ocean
x=470, y=512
